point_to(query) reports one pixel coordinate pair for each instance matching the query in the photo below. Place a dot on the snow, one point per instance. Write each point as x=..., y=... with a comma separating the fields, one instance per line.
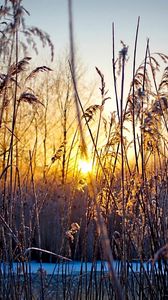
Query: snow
x=75, y=267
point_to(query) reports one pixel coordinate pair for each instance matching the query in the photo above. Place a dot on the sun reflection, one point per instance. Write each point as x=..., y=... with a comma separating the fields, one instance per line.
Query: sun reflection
x=85, y=166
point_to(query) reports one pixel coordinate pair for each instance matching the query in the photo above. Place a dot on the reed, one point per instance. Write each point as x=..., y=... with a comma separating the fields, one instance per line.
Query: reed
x=54, y=209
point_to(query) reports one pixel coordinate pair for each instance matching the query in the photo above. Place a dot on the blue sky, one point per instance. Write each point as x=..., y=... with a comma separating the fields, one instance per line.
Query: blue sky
x=93, y=20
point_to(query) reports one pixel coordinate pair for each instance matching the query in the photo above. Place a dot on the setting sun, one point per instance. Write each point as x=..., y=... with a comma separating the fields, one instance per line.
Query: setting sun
x=85, y=166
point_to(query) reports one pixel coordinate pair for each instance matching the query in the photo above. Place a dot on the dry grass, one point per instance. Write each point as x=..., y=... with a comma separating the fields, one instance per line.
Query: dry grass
x=119, y=209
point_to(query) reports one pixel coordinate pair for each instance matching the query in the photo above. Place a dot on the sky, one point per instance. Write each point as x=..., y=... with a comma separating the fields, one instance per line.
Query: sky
x=92, y=27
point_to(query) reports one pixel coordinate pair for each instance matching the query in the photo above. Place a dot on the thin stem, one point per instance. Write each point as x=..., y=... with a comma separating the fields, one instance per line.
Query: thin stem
x=133, y=98
x=114, y=72
x=122, y=163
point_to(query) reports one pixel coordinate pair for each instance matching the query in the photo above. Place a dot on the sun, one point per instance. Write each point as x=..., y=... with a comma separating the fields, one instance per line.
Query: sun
x=85, y=166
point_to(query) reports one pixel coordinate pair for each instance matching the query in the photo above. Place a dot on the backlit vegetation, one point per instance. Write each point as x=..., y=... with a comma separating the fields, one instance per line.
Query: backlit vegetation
x=68, y=183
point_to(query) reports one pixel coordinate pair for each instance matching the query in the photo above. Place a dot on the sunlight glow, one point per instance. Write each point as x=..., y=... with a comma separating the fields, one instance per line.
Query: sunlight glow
x=85, y=166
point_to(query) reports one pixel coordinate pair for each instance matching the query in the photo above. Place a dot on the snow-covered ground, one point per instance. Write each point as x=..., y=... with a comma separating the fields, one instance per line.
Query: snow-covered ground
x=75, y=267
